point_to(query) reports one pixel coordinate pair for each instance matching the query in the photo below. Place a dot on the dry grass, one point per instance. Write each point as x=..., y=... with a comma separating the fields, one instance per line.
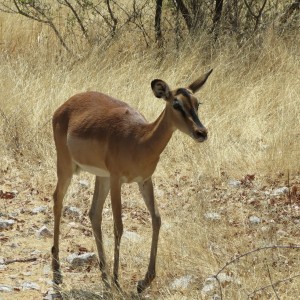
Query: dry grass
x=251, y=108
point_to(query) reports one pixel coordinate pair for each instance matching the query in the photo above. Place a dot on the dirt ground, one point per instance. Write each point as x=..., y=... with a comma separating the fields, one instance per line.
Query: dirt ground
x=207, y=225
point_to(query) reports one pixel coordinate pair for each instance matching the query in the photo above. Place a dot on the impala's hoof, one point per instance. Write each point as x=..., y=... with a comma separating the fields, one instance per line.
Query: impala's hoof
x=57, y=278
x=117, y=285
x=141, y=286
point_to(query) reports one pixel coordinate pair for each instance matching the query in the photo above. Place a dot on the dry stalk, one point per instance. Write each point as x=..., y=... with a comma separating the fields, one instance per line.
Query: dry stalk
x=271, y=282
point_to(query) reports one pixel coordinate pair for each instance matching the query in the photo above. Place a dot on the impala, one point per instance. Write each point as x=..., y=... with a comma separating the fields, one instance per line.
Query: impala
x=106, y=137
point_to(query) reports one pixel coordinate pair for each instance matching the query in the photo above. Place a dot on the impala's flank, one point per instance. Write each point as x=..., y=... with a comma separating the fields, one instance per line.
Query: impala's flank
x=106, y=137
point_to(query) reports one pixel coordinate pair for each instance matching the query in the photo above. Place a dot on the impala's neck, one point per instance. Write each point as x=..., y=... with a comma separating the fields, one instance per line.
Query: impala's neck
x=159, y=133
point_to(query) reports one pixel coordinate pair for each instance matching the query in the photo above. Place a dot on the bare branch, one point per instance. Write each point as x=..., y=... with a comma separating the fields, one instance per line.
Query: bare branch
x=79, y=21
x=249, y=253
x=258, y=15
x=250, y=9
x=291, y=9
x=257, y=250
x=35, y=11
x=132, y=18
x=113, y=18
x=273, y=284
x=27, y=15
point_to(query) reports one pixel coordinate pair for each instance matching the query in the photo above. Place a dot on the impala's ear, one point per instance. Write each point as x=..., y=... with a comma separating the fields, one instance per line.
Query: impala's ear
x=196, y=85
x=160, y=89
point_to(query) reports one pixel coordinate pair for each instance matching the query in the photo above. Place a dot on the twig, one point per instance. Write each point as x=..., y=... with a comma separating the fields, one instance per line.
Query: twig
x=249, y=253
x=10, y=261
x=257, y=250
x=272, y=285
x=77, y=17
x=30, y=138
x=289, y=193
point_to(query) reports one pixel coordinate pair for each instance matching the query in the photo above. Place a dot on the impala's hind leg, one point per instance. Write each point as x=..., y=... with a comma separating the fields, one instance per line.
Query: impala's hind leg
x=102, y=186
x=65, y=169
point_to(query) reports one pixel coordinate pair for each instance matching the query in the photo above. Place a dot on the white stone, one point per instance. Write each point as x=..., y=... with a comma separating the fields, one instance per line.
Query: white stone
x=132, y=236
x=35, y=252
x=251, y=201
x=14, y=245
x=26, y=273
x=281, y=232
x=30, y=286
x=254, y=220
x=39, y=209
x=5, y=288
x=46, y=270
x=6, y=223
x=72, y=211
x=84, y=183
x=51, y=294
x=44, y=232
x=166, y=226
x=160, y=193
x=3, y=268
x=209, y=287
x=213, y=216
x=77, y=260
x=182, y=282
x=224, y=278
x=234, y=183
x=280, y=191
x=13, y=214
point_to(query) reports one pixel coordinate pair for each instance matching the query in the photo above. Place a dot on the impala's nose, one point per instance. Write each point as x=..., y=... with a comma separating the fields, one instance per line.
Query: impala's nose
x=200, y=134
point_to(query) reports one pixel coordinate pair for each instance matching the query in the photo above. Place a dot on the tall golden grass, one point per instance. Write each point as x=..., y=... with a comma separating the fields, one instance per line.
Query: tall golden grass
x=251, y=103
x=251, y=107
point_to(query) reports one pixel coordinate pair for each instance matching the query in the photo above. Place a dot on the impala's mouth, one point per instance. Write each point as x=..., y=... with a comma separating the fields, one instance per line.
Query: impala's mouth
x=200, y=135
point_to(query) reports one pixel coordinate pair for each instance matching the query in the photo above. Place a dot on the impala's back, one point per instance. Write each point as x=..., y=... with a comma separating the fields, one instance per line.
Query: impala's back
x=92, y=127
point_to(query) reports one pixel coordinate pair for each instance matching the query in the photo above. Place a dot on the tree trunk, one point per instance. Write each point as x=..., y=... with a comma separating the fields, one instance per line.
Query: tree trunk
x=157, y=25
x=217, y=17
x=185, y=13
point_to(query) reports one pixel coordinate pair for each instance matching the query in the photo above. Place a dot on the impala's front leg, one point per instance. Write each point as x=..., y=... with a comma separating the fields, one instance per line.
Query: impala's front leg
x=146, y=189
x=115, y=192
x=102, y=186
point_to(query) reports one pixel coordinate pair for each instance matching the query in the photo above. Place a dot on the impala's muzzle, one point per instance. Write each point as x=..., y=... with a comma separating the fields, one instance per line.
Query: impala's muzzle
x=200, y=134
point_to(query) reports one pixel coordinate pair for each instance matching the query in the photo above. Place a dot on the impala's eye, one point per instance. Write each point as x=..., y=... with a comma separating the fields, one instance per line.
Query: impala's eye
x=177, y=105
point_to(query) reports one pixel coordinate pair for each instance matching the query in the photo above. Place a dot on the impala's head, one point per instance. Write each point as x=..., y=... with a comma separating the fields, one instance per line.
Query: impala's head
x=183, y=106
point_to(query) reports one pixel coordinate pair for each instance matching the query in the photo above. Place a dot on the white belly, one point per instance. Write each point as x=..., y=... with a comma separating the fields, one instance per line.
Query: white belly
x=135, y=179
x=104, y=173
x=94, y=170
